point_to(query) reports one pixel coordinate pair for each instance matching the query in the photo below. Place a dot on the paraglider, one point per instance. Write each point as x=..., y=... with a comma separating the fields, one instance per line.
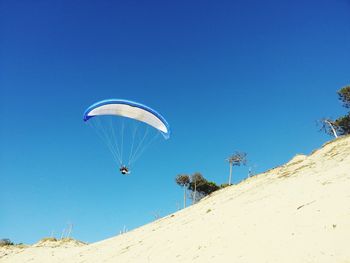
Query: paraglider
x=127, y=128
x=124, y=170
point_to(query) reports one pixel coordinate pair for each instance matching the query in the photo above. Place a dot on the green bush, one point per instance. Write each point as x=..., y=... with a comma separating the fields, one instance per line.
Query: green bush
x=224, y=185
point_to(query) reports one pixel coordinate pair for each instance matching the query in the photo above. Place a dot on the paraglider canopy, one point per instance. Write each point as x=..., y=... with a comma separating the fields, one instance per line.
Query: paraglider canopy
x=129, y=109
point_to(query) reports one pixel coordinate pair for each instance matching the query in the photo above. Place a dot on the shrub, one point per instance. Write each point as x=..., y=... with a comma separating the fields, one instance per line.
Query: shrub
x=5, y=242
x=52, y=239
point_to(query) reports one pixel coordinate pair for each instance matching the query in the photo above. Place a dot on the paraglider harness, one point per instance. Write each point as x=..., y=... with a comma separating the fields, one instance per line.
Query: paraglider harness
x=124, y=170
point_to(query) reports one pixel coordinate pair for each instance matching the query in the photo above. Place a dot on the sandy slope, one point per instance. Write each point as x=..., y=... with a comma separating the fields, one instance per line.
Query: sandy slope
x=299, y=212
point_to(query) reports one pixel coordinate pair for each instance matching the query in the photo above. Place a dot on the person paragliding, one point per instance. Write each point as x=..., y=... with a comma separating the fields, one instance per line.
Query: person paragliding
x=124, y=170
x=127, y=128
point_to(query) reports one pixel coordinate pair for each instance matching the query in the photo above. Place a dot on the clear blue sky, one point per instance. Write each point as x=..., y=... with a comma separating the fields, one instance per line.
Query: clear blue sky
x=228, y=75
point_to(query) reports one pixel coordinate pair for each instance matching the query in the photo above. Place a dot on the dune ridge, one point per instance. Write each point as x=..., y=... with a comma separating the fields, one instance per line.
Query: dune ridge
x=297, y=212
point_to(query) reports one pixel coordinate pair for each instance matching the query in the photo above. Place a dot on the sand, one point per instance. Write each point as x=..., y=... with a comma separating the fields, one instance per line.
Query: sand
x=298, y=212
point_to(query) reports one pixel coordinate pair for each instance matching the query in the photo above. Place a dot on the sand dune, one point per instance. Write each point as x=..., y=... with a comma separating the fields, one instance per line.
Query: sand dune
x=298, y=212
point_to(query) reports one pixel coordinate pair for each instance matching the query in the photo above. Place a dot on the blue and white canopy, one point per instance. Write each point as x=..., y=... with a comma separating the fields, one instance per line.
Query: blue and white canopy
x=129, y=109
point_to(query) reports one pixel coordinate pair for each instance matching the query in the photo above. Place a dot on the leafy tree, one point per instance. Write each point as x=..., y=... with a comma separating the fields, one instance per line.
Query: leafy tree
x=201, y=187
x=183, y=180
x=207, y=188
x=197, y=185
x=343, y=124
x=197, y=180
x=340, y=126
x=236, y=159
x=344, y=96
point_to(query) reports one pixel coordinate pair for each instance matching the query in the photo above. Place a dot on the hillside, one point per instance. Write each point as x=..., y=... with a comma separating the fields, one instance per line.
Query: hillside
x=298, y=212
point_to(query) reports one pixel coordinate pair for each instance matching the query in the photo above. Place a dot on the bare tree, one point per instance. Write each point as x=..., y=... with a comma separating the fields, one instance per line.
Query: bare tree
x=329, y=126
x=236, y=159
x=251, y=170
x=123, y=231
x=69, y=230
x=63, y=233
x=66, y=232
x=156, y=215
